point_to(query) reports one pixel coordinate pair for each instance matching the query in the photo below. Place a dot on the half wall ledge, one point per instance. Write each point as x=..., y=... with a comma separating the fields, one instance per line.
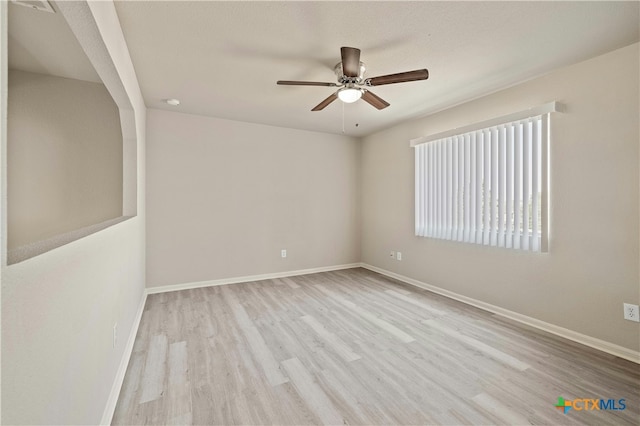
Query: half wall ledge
x=28, y=251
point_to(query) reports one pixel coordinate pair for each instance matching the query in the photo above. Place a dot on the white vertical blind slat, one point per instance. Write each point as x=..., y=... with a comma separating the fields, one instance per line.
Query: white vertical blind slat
x=517, y=185
x=436, y=193
x=432, y=190
x=467, y=190
x=460, y=190
x=445, y=182
x=502, y=175
x=419, y=182
x=441, y=190
x=444, y=190
x=472, y=176
x=448, y=202
x=535, y=176
x=454, y=188
x=509, y=221
x=424, y=154
x=442, y=224
x=544, y=164
x=486, y=187
x=494, y=187
x=526, y=184
x=426, y=190
x=478, y=182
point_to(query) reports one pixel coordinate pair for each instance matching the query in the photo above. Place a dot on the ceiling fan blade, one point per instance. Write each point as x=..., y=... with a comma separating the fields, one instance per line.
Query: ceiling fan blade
x=326, y=102
x=374, y=100
x=402, y=77
x=350, y=61
x=304, y=83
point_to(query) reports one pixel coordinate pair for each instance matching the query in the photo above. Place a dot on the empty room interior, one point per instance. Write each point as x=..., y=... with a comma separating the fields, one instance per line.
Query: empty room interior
x=320, y=213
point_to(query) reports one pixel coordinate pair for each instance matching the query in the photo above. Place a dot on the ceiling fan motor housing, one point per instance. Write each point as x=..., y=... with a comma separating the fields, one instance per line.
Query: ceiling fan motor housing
x=343, y=79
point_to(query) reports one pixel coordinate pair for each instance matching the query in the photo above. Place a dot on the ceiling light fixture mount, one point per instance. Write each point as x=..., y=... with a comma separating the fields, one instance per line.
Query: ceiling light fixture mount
x=172, y=102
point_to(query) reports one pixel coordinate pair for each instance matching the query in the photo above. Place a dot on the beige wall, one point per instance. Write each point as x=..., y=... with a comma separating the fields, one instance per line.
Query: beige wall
x=58, y=308
x=224, y=197
x=592, y=264
x=64, y=166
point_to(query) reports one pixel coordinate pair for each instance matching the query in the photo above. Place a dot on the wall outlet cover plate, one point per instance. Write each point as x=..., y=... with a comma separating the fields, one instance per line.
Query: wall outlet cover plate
x=631, y=312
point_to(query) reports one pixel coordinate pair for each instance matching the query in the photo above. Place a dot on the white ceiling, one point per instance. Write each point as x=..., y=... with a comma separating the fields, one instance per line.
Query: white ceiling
x=43, y=43
x=223, y=59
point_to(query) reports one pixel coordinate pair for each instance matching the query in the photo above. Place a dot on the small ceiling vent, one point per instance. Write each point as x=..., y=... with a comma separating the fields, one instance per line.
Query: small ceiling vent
x=42, y=5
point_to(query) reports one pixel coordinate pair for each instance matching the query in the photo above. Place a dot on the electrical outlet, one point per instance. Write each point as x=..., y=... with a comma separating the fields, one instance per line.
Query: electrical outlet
x=115, y=334
x=392, y=254
x=283, y=253
x=398, y=255
x=631, y=312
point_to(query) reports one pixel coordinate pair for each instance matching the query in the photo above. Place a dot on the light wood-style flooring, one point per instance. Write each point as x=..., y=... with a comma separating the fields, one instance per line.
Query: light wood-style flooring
x=354, y=347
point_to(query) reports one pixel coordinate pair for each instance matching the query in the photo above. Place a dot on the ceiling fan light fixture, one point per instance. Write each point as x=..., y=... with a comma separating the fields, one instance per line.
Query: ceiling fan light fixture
x=349, y=95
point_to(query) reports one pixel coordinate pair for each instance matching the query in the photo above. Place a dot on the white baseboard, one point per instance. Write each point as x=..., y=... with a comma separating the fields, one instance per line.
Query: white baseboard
x=248, y=278
x=602, y=345
x=110, y=408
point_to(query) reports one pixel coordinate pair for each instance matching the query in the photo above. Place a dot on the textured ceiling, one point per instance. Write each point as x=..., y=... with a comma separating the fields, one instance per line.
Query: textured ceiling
x=42, y=42
x=223, y=59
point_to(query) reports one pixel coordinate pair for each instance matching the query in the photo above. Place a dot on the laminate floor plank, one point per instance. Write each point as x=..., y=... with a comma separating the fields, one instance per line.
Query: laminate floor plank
x=311, y=393
x=355, y=347
x=259, y=349
x=369, y=316
x=177, y=405
x=334, y=342
x=130, y=386
x=478, y=345
x=154, y=370
x=501, y=411
x=413, y=301
x=345, y=396
x=291, y=283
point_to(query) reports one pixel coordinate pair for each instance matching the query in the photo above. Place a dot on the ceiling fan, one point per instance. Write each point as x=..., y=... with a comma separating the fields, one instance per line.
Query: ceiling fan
x=351, y=82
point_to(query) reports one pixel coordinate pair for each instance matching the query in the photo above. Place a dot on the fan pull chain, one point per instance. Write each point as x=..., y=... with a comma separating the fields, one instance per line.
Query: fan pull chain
x=342, y=117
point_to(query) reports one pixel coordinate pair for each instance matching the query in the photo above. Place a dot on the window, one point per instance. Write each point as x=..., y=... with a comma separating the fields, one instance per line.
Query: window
x=486, y=184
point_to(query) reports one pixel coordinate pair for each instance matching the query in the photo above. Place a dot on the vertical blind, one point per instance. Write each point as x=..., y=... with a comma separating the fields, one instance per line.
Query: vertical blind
x=486, y=186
